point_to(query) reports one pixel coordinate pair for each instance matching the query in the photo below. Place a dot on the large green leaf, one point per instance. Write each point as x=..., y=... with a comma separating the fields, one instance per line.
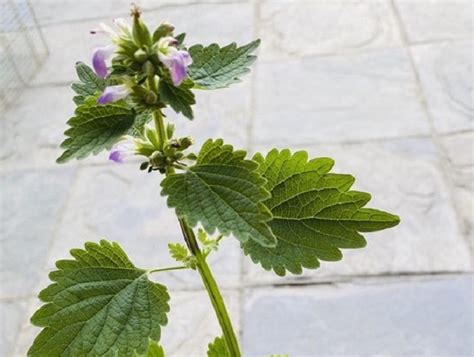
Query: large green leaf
x=95, y=128
x=218, y=348
x=215, y=67
x=100, y=304
x=222, y=191
x=314, y=213
x=89, y=83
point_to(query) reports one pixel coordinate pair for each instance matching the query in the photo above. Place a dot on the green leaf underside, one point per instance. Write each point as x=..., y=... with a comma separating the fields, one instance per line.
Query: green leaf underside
x=222, y=191
x=179, y=98
x=99, y=304
x=89, y=83
x=95, y=128
x=314, y=213
x=218, y=348
x=215, y=67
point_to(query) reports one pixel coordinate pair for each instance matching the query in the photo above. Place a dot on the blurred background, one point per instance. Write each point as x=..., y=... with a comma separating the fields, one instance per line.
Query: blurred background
x=383, y=87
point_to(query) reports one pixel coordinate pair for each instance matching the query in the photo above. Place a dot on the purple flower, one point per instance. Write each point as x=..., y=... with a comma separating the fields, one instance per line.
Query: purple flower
x=100, y=55
x=113, y=94
x=122, y=150
x=177, y=61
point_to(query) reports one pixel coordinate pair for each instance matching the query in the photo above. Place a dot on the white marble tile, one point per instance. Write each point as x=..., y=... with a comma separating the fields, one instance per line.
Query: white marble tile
x=12, y=315
x=404, y=177
x=32, y=203
x=418, y=318
x=33, y=128
x=434, y=20
x=293, y=29
x=337, y=98
x=446, y=78
x=459, y=152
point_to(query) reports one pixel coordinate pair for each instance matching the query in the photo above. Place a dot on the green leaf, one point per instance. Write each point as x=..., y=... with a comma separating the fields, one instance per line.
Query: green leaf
x=99, y=304
x=154, y=350
x=179, y=98
x=218, y=348
x=214, y=67
x=222, y=191
x=137, y=129
x=95, y=128
x=89, y=83
x=314, y=213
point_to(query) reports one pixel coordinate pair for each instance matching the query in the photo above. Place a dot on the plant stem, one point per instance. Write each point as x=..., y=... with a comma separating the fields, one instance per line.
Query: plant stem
x=202, y=266
x=160, y=128
x=167, y=269
x=212, y=289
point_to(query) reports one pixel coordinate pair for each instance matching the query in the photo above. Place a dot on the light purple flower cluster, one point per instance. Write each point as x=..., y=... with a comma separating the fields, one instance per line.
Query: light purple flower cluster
x=177, y=61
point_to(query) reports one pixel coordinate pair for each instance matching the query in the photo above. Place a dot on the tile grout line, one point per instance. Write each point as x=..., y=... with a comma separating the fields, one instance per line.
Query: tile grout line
x=435, y=136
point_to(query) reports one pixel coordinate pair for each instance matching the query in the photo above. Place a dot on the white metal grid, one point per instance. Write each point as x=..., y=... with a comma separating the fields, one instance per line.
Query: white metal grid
x=22, y=48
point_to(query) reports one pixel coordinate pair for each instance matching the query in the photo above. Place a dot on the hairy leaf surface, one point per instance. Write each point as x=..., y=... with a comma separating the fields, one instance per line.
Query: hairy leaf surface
x=89, y=83
x=179, y=98
x=314, y=213
x=215, y=67
x=95, y=128
x=99, y=304
x=218, y=348
x=222, y=191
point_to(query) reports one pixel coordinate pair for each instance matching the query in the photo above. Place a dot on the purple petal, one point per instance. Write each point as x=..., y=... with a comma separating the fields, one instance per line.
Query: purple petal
x=116, y=156
x=113, y=94
x=99, y=56
x=122, y=150
x=178, y=72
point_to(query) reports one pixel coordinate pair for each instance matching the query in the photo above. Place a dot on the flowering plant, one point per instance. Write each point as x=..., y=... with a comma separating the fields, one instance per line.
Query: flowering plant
x=288, y=212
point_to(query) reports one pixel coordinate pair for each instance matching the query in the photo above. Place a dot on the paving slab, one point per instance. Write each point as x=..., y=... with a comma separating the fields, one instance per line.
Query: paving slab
x=12, y=315
x=404, y=177
x=424, y=318
x=294, y=29
x=446, y=79
x=436, y=20
x=31, y=206
x=337, y=98
x=33, y=128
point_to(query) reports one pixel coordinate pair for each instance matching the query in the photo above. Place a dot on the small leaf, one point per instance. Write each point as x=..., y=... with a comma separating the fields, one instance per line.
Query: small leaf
x=314, y=213
x=222, y=191
x=218, y=348
x=95, y=128
x=154, y=350
x=89, y=83
x=99, y=304
x=179, y=98
x=215, y=67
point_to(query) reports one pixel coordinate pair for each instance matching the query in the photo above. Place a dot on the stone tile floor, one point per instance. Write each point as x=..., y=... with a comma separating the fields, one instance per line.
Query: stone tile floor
x=384, y=87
